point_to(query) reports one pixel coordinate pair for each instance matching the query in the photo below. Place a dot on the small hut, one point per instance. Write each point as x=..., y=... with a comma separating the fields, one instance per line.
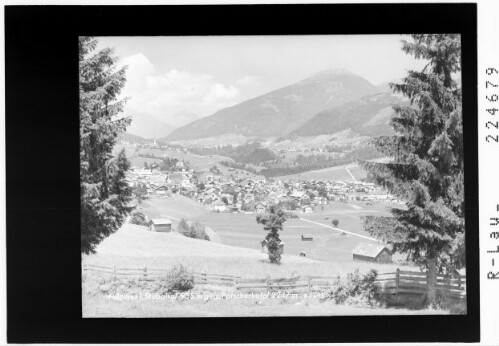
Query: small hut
x=377, y=253
x=160, y=225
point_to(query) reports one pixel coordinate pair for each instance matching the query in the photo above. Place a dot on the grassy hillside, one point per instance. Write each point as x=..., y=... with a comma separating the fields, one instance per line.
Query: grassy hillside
x=242, y=230
x=331, y=173
x=135, y=247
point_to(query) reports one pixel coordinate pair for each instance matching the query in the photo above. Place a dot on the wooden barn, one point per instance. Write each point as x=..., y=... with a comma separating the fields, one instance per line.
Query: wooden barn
x=372, y=253
x=307, y=237
x=161, y=190
x=160, y=225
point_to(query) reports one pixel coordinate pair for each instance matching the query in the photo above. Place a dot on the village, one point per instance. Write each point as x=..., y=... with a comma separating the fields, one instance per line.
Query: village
x=224, y=194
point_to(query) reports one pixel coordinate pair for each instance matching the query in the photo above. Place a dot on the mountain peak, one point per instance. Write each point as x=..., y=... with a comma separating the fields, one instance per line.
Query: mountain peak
x=330, y=74
x=334, y=72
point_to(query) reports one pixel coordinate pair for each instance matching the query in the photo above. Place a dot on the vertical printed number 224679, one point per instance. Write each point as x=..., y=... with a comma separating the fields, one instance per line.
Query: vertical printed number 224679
x=489, y=85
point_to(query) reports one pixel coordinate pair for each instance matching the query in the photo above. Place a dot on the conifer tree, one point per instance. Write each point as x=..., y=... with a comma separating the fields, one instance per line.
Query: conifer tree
x=426, y=167
x=104, y=195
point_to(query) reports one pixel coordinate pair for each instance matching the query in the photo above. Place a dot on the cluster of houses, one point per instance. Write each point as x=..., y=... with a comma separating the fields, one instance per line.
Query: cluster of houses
x=226, y=194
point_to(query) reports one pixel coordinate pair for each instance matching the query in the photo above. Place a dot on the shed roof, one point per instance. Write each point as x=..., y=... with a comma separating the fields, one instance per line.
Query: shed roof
x=370, y=250
x=161, y=221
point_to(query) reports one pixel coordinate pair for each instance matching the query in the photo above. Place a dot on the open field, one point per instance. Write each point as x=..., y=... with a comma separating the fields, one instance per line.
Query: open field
x=331, y=173
x=196, y=161
x=241, y=230
x=174, y=207
x=135, y=247
x=328, y=245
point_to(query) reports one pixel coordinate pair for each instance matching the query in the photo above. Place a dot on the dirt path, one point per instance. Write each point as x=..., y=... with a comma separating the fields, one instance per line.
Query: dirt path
x=350, y=173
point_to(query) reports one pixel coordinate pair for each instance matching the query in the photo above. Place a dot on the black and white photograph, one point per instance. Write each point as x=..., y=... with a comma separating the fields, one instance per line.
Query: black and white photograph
x=271, y=175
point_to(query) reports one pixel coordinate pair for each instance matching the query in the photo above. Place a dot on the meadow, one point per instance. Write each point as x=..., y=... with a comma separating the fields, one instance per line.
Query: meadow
x=135, y=247
x=242, y=230
x=238, y=254
x=331, y=173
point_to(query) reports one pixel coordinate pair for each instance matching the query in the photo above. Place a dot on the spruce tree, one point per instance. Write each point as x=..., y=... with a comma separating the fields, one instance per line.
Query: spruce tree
x=426, y=168
x=104, y=195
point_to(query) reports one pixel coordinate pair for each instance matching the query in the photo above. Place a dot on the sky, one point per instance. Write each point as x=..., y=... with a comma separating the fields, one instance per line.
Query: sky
x=179, y=79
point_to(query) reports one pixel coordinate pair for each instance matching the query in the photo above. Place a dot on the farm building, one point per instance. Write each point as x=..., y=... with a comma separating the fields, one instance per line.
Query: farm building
x=307, y=237
x=307, y=209
x=161, y=190
x=260, y=207
x=372, y=253
x=160, y=225
x=219, y=206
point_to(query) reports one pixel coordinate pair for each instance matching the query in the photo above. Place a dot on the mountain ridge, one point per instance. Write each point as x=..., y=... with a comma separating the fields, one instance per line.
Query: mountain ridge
x=367, y=116
x=281, y=111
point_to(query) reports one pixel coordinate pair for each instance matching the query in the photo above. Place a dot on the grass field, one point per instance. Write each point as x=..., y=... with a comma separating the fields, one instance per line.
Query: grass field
x=196, y=161
x=136, y=247
x=242, y=230
x=331, y=173
x=328, y=245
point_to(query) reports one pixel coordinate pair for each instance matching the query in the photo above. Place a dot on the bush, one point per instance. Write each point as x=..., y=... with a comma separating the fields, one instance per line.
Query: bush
x=138, y=219
x=338, y=293
x=358, y=290
x=196, y=231
x=179, y=279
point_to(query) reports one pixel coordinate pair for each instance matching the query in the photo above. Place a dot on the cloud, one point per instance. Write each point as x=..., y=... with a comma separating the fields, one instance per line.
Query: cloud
x=174, y=92
x=249, y=81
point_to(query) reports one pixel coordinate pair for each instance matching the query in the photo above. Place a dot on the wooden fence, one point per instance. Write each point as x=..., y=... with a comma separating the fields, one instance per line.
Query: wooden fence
x=398, y=282
x=409, y=282
x=157, y=273
x=308, y=283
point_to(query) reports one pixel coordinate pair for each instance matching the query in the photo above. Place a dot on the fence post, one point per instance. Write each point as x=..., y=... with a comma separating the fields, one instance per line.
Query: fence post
x=114, y=272
x=268, y=282
x=204, y=277
x=459, y=281
x=397, y=284
x=145, y=272
x=309, y=284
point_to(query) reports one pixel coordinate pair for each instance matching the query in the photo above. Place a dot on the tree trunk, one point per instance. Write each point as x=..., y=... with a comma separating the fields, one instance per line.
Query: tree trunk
x=431, y=294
